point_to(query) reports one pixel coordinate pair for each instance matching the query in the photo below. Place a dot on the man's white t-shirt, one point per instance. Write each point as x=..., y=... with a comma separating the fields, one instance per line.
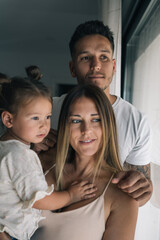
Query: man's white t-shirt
x=132, y=127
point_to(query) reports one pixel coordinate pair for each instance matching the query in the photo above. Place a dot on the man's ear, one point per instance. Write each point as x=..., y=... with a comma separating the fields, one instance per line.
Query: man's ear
x=7, y=119
x=114, y=66
x=72, y=69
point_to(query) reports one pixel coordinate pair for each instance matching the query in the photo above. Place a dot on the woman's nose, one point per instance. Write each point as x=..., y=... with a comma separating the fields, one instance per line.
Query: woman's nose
x=85, y=128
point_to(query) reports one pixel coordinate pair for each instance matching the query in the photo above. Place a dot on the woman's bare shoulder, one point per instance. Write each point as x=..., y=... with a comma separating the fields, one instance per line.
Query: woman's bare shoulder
x=122, y=214
x=118, y=197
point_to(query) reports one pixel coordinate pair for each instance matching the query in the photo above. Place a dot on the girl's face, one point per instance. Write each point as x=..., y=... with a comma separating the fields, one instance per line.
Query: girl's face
x=85, y=127
x=32, y=122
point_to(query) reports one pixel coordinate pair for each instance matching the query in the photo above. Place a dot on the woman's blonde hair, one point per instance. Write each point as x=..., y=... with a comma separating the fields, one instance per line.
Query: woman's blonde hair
x=109, y=148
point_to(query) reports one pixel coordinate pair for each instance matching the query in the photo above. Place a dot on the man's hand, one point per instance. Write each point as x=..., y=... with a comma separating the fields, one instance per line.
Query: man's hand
x=135, y=184
x=48, y=142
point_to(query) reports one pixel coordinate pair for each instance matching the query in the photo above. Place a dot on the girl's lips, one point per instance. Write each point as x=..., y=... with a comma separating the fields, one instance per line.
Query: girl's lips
x=41, y=135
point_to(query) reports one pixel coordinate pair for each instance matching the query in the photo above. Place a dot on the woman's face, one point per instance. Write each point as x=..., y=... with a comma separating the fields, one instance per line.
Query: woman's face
x=85, y=127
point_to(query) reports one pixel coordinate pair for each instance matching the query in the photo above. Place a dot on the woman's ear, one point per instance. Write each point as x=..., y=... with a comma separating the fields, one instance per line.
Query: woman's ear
x=72, y=69
x=7, y=119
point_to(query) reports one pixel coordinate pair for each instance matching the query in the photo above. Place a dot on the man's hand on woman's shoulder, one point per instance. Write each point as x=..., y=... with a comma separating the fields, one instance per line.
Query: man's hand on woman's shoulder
x=136, y=183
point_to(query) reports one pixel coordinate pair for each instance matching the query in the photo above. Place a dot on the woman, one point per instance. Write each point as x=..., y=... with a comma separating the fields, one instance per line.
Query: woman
x=87, y=148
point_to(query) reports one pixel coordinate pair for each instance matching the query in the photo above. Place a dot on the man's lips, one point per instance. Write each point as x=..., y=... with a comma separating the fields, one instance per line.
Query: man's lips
x=95, y=76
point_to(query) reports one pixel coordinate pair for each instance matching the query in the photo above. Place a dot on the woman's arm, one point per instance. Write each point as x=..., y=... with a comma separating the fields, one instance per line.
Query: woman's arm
x=121, y=222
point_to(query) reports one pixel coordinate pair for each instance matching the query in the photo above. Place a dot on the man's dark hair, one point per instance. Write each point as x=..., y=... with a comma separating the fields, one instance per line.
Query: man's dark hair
x=90, y=28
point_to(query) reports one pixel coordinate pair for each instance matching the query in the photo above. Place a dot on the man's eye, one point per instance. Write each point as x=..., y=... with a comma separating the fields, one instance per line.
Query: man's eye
x=35, y=118
x=103, y=57
x=85, y=58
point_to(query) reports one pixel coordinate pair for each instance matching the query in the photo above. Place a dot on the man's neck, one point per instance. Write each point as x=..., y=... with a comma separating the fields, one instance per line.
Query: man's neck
x=112, y=98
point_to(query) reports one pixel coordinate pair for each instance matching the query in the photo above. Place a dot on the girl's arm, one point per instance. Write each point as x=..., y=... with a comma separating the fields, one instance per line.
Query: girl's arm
x=75, y=193
x=121, y=222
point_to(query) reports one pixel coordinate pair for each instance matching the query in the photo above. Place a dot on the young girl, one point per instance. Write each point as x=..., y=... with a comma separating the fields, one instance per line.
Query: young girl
x=26, y=108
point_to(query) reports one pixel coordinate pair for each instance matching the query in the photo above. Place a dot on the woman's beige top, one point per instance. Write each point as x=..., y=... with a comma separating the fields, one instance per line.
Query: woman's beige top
x=84, y=223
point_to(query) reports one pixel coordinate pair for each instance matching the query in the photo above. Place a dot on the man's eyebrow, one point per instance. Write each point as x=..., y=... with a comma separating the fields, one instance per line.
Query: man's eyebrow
x=83, y=52
x=105, y=50
x=101, y=50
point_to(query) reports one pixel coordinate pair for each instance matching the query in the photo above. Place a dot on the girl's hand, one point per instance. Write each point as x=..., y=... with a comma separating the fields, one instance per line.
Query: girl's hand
x=82, y=190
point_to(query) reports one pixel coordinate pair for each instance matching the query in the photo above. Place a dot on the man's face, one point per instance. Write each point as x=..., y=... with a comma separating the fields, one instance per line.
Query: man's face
x=93, y=61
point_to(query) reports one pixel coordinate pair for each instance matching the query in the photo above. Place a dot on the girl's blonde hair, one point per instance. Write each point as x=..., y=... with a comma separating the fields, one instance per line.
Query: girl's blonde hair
x=109, y=149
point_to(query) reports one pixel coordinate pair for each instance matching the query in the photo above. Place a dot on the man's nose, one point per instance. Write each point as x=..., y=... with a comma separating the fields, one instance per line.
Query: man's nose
x=95, y=64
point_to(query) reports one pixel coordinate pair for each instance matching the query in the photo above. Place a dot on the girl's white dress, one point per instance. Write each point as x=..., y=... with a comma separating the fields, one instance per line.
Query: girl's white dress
x=22, y=182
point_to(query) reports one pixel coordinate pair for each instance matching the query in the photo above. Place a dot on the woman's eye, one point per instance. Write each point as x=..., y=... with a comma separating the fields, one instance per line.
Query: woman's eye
x=75, y=121
x=96, y=120
x=35, y=118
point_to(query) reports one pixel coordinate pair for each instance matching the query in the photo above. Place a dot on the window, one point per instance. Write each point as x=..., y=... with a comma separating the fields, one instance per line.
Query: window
x=141, y=87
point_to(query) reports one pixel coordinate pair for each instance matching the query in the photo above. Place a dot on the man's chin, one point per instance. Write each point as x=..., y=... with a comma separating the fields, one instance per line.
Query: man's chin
x=104, y=88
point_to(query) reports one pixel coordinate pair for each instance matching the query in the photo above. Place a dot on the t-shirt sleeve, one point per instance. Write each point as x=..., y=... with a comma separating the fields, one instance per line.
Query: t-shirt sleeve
x=141, y=151
x=27, y=176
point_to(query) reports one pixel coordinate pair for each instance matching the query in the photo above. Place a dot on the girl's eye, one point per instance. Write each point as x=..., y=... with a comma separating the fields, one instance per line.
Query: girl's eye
x=49, y=117
x=35, y=118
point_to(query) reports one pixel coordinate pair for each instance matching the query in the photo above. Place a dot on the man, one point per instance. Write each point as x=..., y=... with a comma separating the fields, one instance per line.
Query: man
x=92, y=47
